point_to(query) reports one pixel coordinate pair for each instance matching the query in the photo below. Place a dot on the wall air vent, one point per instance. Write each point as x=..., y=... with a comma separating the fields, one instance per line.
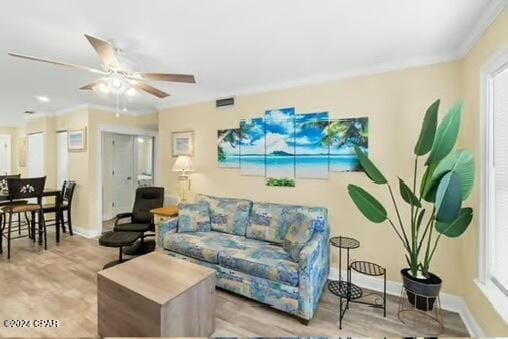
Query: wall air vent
x=29, y=112
x=225, y=102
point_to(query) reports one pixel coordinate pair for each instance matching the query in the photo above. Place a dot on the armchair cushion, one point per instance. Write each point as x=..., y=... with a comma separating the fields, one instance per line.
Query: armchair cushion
x=132, y=227
x=298, y=235
x=194, y=217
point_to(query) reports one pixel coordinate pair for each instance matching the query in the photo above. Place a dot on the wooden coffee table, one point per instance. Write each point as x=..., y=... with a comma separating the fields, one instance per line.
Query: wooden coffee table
x=156, y=295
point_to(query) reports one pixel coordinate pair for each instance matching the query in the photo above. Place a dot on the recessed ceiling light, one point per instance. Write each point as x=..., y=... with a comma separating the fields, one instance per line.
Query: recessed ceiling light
x=42, y=98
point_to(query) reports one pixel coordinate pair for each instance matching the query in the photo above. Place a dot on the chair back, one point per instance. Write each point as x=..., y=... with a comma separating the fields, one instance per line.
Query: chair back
x=3, y=180
x=68, y=191
x=25, y=188
x=147, y=198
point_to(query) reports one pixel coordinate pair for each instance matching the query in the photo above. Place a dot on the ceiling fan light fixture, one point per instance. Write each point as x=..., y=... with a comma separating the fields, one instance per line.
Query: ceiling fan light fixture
x=131, y=92
x=103, y=88
x=116, y=83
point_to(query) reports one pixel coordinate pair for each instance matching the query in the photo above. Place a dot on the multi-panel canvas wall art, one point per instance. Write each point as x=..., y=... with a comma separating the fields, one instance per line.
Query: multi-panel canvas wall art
x=284, y=146
x=228, y=148
x=343, y=135
x=311, y=145
x=252, y=147
x=280, y=147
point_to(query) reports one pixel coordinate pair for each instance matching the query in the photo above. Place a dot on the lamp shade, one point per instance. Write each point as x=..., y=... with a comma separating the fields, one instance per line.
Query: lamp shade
x=183, y=164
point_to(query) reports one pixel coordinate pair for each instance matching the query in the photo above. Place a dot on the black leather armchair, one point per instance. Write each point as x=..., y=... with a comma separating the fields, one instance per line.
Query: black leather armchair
x=140, y=219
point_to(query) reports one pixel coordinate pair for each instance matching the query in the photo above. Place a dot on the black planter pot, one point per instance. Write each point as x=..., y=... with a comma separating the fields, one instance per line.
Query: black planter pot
x=421, y=293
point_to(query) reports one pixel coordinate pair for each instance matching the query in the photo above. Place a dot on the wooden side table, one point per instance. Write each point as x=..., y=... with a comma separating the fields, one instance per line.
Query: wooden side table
x=160, y=215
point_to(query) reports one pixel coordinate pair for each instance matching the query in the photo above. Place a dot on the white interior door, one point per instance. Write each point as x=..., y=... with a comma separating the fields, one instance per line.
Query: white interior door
x=123, y=182
x=5, y=154
x=36, y=155
x=62, y=158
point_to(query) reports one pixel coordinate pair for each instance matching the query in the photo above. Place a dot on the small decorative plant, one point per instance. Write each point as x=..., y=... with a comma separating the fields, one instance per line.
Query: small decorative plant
x=436, y=204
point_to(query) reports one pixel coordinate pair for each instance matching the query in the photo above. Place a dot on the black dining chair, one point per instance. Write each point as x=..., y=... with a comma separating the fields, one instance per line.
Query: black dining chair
x=140, y=219
x=66, y=196
x=25, y=188
x=3, y=187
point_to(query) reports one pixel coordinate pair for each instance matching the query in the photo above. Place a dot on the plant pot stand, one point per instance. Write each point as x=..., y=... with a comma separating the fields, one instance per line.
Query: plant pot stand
x=407, y=308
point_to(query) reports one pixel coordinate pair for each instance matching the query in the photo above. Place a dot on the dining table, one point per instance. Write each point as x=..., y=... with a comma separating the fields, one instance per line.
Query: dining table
x=48, y=192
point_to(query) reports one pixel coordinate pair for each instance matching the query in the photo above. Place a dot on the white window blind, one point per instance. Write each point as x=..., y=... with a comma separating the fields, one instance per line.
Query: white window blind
x=499, y=191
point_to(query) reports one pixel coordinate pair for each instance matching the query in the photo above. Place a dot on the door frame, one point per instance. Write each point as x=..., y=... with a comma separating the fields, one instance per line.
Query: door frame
x=101, y=129
x=9, y=151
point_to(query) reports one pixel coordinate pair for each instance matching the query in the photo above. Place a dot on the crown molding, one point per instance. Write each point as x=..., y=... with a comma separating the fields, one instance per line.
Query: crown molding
x=322, y=78
x=487, y=18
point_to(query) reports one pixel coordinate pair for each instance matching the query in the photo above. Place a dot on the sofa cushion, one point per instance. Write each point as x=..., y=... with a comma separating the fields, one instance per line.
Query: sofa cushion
x=265, y=261
x=203, y=245
x=193, y=217
x=298, y=234
x=227, y=215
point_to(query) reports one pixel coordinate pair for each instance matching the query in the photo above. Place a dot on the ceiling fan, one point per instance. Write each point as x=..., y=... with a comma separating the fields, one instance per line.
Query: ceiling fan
x=117, y=78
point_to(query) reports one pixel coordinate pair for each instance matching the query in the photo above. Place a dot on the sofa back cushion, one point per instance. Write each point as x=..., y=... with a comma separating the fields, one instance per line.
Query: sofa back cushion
x=194, y=217
x=227, y=215
x=270, y=222
x=298, y=234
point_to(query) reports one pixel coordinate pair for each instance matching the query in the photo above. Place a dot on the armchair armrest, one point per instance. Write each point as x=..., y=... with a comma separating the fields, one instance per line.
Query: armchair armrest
x=122, y=216
x=164, y=227
x=314, y=267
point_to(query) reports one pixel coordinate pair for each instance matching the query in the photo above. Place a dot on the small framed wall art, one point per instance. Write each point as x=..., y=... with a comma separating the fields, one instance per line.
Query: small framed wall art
x=183, y=143
x=76, y=139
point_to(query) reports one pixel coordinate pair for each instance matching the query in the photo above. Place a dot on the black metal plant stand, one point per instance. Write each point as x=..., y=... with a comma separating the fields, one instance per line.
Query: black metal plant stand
x=349, y=291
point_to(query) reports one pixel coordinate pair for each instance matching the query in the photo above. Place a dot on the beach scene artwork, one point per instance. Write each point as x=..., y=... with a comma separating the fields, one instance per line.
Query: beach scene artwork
x=252, y=147
x=311, y=146
x=228, y=148
x=280, y=147
x=284, y=146
x=343, y=135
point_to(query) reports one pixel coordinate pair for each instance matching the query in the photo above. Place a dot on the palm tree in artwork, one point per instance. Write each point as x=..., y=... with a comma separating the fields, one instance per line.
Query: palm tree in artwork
x=342, y=132
x=230, y=136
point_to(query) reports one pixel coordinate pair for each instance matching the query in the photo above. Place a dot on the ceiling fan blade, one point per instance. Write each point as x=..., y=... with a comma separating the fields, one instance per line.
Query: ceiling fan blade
x=92, y=85
x=85, y=68
x=150, y=89
x=188, y=78
x=105, y=51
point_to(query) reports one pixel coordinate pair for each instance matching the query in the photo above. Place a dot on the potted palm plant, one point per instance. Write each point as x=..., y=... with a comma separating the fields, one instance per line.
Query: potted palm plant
x=435, y=205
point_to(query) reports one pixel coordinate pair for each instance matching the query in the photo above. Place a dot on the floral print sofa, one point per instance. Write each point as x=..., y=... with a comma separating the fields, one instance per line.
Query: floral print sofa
x=244, y=246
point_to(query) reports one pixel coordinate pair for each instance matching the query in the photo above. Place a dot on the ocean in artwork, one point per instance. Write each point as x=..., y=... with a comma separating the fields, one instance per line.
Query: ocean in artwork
x=252, y=147
x=228, y=148
x=280, y=147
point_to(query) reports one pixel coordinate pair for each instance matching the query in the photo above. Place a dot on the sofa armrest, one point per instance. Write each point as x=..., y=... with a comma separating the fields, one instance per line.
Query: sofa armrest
x=164, y=227
x=314, y=267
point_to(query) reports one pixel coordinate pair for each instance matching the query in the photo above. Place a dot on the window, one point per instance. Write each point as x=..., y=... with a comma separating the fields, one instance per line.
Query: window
x=493, y=278
x=62, y=158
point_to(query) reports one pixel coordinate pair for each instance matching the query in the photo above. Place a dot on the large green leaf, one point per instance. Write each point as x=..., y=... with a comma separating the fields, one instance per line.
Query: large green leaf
x=460, y=162
x=427, y=191
x=408, y=195
x=419, y=219
x=367, y=204
x=446, y=135
x=428, y=130
x=370, y=169
x=458, y=226
x=448, y=198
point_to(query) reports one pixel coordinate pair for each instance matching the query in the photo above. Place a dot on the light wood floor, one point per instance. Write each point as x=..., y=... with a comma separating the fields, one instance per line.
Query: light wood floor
x=60, y=284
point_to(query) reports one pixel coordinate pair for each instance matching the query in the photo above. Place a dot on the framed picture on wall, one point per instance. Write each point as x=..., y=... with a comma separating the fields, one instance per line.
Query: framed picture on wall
x=76, y=139
x=183, y=143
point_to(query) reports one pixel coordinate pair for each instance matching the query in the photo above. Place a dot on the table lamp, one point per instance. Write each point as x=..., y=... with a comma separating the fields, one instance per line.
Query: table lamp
x=183, y=164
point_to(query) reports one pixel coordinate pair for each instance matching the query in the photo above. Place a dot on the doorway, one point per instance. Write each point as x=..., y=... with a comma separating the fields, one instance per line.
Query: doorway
x=127, y=163
x=5, y=154
x=36, y=155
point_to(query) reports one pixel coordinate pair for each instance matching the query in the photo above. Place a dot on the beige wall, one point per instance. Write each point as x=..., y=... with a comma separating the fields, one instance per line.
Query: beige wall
x=82, y=164
x=11, y=131
x=493, y=41
x=395, y=103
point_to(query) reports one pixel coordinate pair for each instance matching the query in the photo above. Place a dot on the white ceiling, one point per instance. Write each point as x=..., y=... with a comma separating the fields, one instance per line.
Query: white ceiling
x=231, y=46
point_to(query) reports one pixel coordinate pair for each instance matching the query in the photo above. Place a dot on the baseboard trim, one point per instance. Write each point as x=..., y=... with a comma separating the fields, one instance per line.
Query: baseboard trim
x=449, y=302
x=85, y=232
